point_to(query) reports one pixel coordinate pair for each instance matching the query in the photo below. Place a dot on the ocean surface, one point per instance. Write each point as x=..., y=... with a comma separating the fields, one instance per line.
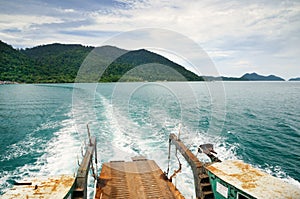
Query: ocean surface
x=43, y=126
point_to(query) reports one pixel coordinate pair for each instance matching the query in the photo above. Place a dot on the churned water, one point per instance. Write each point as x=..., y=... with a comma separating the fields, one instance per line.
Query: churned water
x=43, y=127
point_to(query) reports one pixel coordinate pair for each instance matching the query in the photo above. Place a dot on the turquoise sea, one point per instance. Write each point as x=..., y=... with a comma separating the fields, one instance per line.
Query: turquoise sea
x=43, y=126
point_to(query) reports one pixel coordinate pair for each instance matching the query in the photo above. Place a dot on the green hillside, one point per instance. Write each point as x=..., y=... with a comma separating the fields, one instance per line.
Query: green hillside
x=59, y=63
x=15, y=66
x=147, y=66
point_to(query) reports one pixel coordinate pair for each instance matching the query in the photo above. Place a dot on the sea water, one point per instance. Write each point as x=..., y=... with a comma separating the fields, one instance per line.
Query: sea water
x=43, y=126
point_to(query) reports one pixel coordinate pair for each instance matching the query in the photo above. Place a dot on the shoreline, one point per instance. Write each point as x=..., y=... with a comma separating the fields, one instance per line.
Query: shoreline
x=8, y=82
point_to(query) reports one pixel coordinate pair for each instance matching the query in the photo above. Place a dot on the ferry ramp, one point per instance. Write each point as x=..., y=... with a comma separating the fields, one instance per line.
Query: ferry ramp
x=140, y=178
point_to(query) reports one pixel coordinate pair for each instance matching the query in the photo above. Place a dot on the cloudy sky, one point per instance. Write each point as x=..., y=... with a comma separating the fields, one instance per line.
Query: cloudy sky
x=239, y=36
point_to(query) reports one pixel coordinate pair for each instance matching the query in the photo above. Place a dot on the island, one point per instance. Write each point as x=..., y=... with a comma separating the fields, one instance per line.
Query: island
x=257, y=77
x=295, y=79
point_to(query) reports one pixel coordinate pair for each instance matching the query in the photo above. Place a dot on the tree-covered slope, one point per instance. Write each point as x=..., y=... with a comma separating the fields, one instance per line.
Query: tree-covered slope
x=58, y=62
x=15, y=66
x=143, y=65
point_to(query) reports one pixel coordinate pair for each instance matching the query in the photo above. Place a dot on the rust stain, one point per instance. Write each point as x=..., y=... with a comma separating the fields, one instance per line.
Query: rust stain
x=247, y=177
x=249, y=185
x=43, y=187
x=247, y=168
x=216, y=171
x=55, y=185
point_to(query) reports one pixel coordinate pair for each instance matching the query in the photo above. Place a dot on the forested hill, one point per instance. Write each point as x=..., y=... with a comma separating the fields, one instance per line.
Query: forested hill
x=59, y=63
x=144, y=65
x=15, y=66
x=54, y=63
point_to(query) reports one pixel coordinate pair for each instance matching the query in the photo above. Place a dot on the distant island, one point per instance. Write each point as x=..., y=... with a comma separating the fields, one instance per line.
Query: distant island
x=59, y=63
x=295, y=79
x=256, y=77
x=245, y=77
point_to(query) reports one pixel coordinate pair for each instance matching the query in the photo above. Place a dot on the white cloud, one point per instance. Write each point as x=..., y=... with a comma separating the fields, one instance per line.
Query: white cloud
x=69, y=10
x=24, y=21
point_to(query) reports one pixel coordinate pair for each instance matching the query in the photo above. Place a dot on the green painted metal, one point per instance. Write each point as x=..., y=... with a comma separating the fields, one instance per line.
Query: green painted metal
x=224, y=190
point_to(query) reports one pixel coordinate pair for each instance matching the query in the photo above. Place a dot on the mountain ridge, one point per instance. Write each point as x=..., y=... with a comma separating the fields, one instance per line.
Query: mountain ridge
x=246, y=77
x=295, y=79
x=256, y=77
x=59, y=63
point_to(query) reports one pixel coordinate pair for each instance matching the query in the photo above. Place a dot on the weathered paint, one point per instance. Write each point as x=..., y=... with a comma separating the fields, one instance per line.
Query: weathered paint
x=51, y=187
x=239, y=177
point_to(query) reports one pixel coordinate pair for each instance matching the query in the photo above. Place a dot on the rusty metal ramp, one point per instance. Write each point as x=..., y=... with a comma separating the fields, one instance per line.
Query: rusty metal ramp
x=140, y=178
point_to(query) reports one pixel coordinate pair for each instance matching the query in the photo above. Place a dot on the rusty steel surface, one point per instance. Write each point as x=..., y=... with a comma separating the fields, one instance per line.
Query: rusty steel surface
x=138, y=179
x=50, y=187
x=253, y=181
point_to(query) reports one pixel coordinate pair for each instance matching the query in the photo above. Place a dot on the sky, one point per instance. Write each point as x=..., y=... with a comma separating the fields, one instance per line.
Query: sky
x=239, y=36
